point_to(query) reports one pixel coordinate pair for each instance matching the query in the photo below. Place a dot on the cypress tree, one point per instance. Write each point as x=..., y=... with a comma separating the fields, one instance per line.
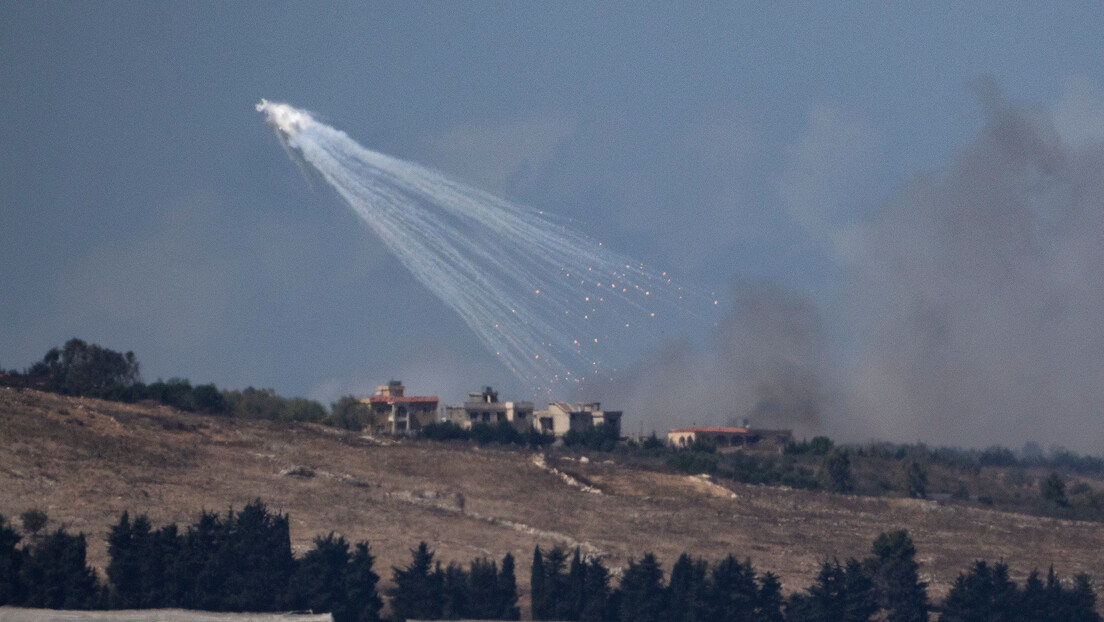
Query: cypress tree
x=507, y=591
x=576, y=588
x=538, y=593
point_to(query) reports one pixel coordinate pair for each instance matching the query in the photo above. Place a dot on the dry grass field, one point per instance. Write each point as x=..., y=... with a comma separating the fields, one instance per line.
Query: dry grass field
x=85, y=461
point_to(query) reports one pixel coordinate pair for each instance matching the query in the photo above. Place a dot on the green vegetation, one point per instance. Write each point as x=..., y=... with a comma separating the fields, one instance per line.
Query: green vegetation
x=243, y=562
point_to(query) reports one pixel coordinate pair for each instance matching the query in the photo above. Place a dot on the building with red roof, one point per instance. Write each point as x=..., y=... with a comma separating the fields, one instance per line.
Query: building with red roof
x=394, y=412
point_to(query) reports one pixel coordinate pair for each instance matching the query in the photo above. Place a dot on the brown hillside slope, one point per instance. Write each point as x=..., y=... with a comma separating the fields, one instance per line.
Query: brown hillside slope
x=85, y=461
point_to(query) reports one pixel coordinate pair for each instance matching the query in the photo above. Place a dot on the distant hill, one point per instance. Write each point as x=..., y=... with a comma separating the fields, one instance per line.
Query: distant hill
x=85, y=461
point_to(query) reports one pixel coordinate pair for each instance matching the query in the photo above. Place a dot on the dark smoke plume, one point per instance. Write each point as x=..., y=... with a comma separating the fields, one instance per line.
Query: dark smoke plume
x=763, y=362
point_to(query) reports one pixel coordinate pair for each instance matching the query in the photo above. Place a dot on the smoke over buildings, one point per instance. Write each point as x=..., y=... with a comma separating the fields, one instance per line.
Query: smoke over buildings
x=971, y=311
x=975, y=310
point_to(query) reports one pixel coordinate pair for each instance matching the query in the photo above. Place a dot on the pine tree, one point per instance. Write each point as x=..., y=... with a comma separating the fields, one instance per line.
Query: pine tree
x=364, y=600
x=897, y=579
x=596, y=593
x=687, y=591
x=1082, y=601
x=556, y=585
x=321, y=580
x=768, y=606
x=57, y=575
x=11, y=562
x=732, y=590
x=643, y=597
x=984, y=593
x=418, y=588
x=484, y=599
x=259, y=555
x=454, y=593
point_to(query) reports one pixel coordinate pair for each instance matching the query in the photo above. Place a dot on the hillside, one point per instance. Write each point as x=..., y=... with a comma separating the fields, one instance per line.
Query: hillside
x=85, y=461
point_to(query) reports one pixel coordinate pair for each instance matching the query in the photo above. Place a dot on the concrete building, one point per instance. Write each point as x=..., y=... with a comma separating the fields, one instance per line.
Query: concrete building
x=560, y=417
x=731, y=438
x=396, y=413
x=483, y=407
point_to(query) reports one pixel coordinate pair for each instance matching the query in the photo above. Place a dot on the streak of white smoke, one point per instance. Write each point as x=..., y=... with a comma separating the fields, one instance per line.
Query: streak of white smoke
x=555, y=306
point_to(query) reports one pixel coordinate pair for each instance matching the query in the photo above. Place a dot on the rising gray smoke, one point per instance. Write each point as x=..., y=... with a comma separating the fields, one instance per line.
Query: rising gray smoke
x=973, y=314
x=765, y=361
x=977, y=307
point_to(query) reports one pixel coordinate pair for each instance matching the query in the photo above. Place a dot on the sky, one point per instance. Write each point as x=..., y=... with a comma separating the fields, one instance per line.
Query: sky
x=899, y=204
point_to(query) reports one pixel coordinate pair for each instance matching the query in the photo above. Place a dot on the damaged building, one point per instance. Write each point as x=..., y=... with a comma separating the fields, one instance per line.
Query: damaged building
x=561, y=417
x=483, y=407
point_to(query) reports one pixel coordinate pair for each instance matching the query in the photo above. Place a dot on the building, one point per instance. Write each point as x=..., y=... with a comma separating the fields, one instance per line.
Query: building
x=396, y=413
x=731, y=438
x=560, y=417
x=483, y=407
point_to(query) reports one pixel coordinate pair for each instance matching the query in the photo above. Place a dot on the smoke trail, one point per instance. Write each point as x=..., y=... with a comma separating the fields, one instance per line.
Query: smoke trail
x=552, y=304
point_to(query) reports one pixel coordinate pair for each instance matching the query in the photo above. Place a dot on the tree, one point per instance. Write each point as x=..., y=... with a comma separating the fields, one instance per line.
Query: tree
x=258, y=552
x=768, y=607
x=837, y=469
x=364, y=600
x=840, y=594
x=732, y=591
x=897, y=579
x=1053, y=489
x=34, y=520
x=983, y=593
x=57, y=576
x=418, y=588
x=507, y=590
x=688, y=591
x=321, y=579
x=557, y=591
x=79, y=368
x=11, y=562
x=914, y=481
x=349, y=413
x=484, y=598
x=454, y=593
x=596, y=593
x=643, y=598
x=537, y=589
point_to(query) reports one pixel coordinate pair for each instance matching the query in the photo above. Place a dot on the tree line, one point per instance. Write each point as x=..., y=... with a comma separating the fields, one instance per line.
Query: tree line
x=243, y=562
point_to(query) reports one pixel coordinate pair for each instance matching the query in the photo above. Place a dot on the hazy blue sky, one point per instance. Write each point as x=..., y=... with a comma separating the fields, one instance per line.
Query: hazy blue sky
x=144, y=204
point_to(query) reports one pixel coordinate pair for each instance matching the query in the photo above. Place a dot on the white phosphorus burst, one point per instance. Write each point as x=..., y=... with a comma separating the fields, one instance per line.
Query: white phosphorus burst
x=545, y=299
